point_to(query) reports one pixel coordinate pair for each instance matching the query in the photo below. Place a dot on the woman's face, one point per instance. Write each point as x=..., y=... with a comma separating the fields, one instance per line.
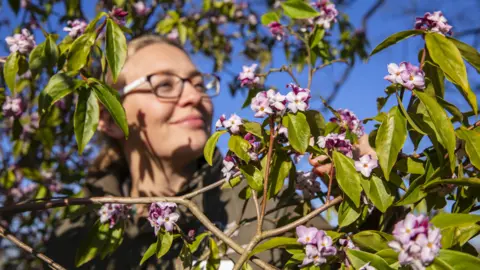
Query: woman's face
x=169, y=128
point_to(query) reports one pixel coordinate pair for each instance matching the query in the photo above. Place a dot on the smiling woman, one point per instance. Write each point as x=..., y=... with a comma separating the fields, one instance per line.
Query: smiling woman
x=169, y=113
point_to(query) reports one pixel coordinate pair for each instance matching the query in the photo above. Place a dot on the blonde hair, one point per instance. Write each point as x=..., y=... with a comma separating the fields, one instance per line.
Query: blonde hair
x=111, y=154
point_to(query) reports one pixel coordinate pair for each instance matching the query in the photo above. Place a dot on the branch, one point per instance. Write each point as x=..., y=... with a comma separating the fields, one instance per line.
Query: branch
x=281, y=69
x=329, y=63
x=255, y=201
x=267, y=173
x=5, y=234
x=303, y=220
x=238, y=265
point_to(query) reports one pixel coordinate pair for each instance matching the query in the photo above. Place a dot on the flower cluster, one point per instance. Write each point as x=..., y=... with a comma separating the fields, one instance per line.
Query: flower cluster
x=407, y=75
x=318, y=245
x=328, y=13
x=162, y=214
x=13, y=107
x=75, y=28
x=247, y=76
x=307, y=184
x=233, y=123
x=366, y=164
x=348, y=121
x=118, y=15
x=267, y=103
x=334, y=141
x=114, y=212
x=255, y=146
x=298, y=98
x=23, y=42
x=229, y=167
x=140, y=8
x=435, y=22
x=416, y=240
x=277, y=30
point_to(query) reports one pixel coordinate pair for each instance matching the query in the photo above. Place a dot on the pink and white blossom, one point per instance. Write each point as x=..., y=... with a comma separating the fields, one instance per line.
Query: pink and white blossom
x=23, y=42
x=365, y=165
x=247, y=76
x=233, y=123
x=306, y=235
x=276, y=29
x=347, y=120
x=338, y=142
x=113, y=213
x=328, y=14
x=406, y=74
x=13, y=107
x=162, y=214
x=75, y=28
x=318, y=245
x=141, y=8
x=435, y=22
x=395, y=72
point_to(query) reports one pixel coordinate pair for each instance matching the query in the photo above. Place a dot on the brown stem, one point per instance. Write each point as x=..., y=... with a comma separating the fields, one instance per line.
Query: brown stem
x=302, y=220
x=267, y=172
x=5, y=234
x=255, y=201
x=330, y=180
x=238, y=265
x=329, y=63
x=422, y=61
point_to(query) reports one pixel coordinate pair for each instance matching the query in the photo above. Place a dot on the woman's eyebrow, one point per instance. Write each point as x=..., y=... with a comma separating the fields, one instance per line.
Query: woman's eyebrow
x=194, y=73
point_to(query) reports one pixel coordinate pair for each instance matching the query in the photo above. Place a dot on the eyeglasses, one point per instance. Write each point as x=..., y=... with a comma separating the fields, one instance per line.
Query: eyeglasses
x=170, y=86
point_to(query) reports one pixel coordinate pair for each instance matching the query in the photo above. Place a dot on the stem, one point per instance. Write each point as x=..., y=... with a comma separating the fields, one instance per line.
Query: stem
x=238, y=265
x=329, y=63
x=5, y=234
x=267, y=172
x=422, y=61
x=255, y=201
x=330, y=180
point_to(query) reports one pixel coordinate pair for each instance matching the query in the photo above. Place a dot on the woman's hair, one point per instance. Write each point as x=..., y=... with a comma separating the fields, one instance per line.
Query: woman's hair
x=111, y=154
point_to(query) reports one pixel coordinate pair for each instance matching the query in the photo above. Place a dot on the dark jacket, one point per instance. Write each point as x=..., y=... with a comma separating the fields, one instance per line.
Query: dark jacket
x=222, y=206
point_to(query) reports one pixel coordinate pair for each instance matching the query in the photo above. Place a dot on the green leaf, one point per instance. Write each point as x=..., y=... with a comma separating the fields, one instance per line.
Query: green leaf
x=111, y=100
x=359, y=258
x=395, y=38
x=446, y=55
x=445, y=220
x=456, y=228
x=254, y=128
x=437, y=79
x=80, y=50
x=91, y=26
x=472, y=144
x=347, y=213
x=411, y=165
x=296, y=9
x=198, y=240
x=439, y=264
x=149, y=253
x=114, y=240
x=275, y=243
x=347, y=177
x=389, y=255
x=459, y=260
x=470, y=54
x=253, y=175
x=317, y=36
x=441, y=124
x=37, y=58
x=231, y=183
x=452, y=109
x=269, y=17
x=379, y=193
x=93, y=244
x=473, y=182
x=213, y=261
x=390, y=139
x=51, y=52
x=372, y=241
x=414, y=193
x=240, y=147
x=210, y=146
x=57, y=87
x=164, y=242
x=298, y=131
x=279, y=171
x=86, y=117
x=407, y=116
x=116, y=47
x=10, y=70
x=182, y=33
x=316, y=122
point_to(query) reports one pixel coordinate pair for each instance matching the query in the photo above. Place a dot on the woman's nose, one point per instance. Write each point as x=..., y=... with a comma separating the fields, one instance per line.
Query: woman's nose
x=190, y=95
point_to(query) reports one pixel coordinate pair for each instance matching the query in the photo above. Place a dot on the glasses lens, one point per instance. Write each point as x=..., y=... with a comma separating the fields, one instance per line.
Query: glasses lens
x=165, y=85
x=211, y=85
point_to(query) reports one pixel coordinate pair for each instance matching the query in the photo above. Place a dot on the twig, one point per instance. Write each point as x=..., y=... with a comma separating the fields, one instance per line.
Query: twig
x=302, y=220
x=207, y=188
x=267, y=172
x=5, y=234
x=330, y=180
x=422, y=61
x=281, y=69
x=238, y=265
x=255, y=201
x=329, y=63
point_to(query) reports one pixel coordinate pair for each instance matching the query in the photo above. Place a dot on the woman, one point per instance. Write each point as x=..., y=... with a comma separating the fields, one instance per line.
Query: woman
x=169, y=113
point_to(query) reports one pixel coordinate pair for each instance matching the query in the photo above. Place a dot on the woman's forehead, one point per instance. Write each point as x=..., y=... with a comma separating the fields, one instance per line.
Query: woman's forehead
x=157, y=58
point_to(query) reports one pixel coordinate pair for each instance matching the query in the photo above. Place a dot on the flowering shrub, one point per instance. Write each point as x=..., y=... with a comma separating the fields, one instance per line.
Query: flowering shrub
x=389, y=206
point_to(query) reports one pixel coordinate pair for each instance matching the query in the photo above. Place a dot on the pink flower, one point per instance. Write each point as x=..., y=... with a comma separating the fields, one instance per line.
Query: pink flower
x=75, y=28
x=219, y=123
x=277, y=31
x=23, y=42
x=233, y=123
x=406, y=74
x=349, y=121
x=328, y=13
x=114, y=212
x=307, y=235
x=395, y=72
x=162, y=214
x=141, y=9
x=229, y=168
x=13, y=107
x=247, y=76
x=261, y=105
x=430, y=245
x=173, y=35
x=366, y=164
x=435, y=22
x=118, y=15
x=334, y=141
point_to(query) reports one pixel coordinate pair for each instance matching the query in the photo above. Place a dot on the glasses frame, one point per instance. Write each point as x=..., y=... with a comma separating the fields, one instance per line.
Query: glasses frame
x=147, y=79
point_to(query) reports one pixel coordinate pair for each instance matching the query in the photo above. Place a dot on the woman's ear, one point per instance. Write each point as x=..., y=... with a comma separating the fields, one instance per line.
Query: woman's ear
x=107, y=125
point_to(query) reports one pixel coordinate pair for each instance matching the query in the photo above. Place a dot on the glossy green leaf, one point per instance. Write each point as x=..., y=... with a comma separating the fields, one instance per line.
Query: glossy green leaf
x=470, y=54
x=182, y=33
x=85, y=120
x=79, y=51
x=452, y=109
x=441, y=124
x=57, y=87
x=51, y=52
x=414, y=193
x=10, y=70
x=411, y=165
x=447, y=56
x=116, y=48
x=149, y=253
x=240, y=147
x=389, y=255
x=472, y=144
x=316, y=122
x=436, y=77
x=316, y=36
x=472, y=182
x=279, y=171
x=407, y=116
x=298, y=131
x=92, y=244
x=231, y=183
x=93, y=23
x=210, y=146
x=379, y=193
x=459, y=260
x=253, y=175
x=390, y=139
x=296, y=9
x=269, y=17
x=347, y=177
x=254, y=128
x=372, y=241
x=198, y=240
x=359, y=258
x=164, y=242
x=395, y=38
x=37, y=58
x=111, y=100
x=275, y=243
x=213, y=261
x=347, y=213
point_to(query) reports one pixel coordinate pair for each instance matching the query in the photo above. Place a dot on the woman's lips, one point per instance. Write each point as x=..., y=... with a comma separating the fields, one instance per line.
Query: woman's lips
x=191, y=122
